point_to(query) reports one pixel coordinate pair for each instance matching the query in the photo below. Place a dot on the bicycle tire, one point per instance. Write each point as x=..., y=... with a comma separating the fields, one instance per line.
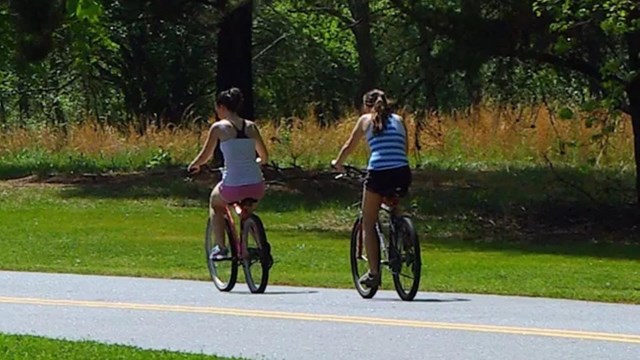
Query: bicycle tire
x=358, y=259
x=218, y=273
x=406, y=248
x=259, y=260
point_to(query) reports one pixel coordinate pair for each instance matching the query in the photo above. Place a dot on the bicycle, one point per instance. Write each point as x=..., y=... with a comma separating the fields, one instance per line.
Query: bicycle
x=251, y=249
x=400, y=248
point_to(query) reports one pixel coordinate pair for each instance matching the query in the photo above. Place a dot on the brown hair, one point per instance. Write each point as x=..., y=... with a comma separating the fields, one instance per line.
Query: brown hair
x=232, y=99
x=377, y=100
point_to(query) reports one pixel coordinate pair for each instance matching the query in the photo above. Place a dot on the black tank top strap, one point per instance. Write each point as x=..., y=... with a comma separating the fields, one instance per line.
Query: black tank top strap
x=240, y=133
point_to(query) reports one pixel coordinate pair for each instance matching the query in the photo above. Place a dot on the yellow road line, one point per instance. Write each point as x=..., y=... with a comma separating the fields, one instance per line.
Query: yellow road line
x=569, y=334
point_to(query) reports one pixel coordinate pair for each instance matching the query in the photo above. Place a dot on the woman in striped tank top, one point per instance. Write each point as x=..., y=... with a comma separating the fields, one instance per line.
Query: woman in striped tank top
x=241, y=177
x=388, y=168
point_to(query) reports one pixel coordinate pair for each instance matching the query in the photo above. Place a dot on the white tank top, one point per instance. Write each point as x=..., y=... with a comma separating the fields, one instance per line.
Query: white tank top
x=240, y=167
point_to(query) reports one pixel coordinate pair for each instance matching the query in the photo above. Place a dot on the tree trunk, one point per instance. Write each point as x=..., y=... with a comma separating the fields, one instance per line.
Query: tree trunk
x=234, y=55
x=3, y=113
x=633, y=93
x=636, y=146
x=367, y=60
x=235, y=60
x=634, y=102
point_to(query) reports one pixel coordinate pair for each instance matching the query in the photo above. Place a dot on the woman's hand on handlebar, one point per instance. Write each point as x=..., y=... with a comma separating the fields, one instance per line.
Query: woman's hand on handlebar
x=336, y=165
x=193, y=168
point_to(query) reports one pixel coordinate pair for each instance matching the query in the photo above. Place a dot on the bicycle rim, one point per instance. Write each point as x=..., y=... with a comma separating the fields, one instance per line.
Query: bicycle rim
x=406, y=264
x=256, y=262
x=223, y=273
x=359, y=262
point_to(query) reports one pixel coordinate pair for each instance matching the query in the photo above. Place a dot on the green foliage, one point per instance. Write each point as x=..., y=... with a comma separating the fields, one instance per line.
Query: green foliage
x=117, y=61
x=317, y=46
x=89, y=10
x=161, y=158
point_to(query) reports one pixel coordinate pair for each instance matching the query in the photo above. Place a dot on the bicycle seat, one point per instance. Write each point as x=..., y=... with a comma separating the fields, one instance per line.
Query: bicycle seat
x=395, y=193
x=247, y=202
x=391, y=201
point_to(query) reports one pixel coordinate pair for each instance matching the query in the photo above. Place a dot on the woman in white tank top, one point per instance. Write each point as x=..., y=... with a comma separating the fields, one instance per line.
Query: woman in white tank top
x=242, y=177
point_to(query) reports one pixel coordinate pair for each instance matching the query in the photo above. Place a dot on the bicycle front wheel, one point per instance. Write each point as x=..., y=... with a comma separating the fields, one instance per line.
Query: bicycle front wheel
x=405, y=261
x=359, y=261
x=257, y=254
x=224, y=272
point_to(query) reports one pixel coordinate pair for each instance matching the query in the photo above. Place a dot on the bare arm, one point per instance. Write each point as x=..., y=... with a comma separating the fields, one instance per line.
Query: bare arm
x=207, y=150
x=356, y=134
x=261, y=148
x=406, y=136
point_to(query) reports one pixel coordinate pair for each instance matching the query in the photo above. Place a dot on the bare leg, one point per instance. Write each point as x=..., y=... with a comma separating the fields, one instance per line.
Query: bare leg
x=216, y=213
x=370, y=207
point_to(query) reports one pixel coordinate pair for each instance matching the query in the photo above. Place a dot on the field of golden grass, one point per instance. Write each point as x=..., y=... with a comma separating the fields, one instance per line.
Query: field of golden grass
x=480, y=137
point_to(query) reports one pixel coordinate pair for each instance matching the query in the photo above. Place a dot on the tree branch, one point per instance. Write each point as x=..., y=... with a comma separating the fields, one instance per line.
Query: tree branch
x=574, y=64
x=270, y=46
x=348, y=21
x=410, y=91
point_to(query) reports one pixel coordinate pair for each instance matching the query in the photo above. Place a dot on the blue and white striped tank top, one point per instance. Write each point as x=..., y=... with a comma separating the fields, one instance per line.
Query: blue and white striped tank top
x=388, y=147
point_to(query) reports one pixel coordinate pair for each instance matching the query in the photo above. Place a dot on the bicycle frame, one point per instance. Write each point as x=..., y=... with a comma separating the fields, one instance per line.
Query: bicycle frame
x=389, y=205
x=243, y=211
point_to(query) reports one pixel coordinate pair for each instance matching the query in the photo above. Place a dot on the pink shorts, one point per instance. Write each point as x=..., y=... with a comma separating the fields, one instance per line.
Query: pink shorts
x=231, y=194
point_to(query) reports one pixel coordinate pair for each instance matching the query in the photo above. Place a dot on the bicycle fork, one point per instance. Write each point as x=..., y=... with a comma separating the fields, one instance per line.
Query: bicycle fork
x=384, y=249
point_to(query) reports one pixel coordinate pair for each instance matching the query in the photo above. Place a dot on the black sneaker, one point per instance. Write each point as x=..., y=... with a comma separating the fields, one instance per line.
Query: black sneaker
x=218, y=253
x=369, y=280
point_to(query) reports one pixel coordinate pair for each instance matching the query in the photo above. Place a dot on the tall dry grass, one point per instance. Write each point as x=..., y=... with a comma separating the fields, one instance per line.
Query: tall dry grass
x=481, y=137
x=484, y=136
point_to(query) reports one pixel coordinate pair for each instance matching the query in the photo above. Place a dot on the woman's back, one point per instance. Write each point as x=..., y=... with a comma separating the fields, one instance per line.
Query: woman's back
x=239, y=152
x=388, y=147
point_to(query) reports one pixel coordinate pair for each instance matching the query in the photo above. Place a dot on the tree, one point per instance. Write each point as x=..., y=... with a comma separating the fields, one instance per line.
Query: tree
x=598, y=41
x=601, y=41
x=355, y=15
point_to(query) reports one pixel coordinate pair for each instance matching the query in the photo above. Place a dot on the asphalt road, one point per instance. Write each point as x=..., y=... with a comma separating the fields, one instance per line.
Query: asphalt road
x=308, y=323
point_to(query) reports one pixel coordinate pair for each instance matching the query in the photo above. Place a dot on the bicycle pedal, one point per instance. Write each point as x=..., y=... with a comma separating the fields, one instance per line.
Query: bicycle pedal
x=220, y=258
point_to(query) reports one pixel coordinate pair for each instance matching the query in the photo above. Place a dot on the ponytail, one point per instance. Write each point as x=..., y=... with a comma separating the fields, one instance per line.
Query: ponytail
x=377, y=100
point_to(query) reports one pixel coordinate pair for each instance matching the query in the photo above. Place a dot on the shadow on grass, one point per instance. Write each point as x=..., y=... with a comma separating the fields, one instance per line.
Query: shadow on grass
x=572, y=245
x=304, y=191
x=528, y=207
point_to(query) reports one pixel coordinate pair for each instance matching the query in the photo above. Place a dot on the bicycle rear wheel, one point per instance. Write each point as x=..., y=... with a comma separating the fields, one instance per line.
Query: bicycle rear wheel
x=405, y=260
x=359, y=261
x=257, y=260
x=224, y=272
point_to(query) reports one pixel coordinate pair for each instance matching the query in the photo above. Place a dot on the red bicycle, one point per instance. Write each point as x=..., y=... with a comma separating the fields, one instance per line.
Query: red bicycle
x=247, y=244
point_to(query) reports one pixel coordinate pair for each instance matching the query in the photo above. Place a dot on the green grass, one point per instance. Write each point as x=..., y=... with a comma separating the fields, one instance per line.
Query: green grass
x=38, y=161
x=473, y=239
x=18, y=347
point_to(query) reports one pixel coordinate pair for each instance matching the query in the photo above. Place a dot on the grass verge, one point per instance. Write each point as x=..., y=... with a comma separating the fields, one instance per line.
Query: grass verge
x=492, y=234
x=21, y=347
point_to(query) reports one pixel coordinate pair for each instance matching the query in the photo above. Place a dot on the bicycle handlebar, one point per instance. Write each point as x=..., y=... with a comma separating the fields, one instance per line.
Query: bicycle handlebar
x=205, y=168
x=351, y=172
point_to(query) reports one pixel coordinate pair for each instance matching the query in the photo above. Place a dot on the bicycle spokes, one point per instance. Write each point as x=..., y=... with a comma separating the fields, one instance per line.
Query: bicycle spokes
x=407, y=262
x=256, y=261
x=223, y=271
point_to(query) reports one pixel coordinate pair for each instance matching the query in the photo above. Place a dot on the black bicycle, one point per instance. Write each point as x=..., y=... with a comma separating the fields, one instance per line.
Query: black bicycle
x=398, y=241
x=247, y=247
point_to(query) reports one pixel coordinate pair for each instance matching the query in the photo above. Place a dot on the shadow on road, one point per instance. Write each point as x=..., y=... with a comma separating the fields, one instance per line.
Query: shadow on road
x=425, y=300
x=293, y=292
